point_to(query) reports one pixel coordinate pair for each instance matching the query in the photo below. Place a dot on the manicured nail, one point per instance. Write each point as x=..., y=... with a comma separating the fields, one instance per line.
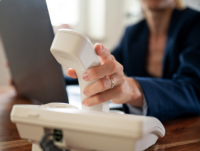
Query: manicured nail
x=102, y=48
x=84, y=104
x=84, y=92
x=85, y=76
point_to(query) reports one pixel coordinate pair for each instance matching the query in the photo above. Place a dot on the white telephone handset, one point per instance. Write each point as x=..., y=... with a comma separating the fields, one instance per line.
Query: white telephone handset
x=76, y=51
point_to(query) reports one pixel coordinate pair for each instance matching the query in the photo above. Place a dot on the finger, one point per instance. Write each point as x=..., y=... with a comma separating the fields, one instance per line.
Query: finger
x=101, y=97
x=103, y=84
x=103, y=53
x=108, y=68
x=72, y=73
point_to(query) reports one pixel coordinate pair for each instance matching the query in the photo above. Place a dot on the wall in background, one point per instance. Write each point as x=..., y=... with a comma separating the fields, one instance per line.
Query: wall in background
x=195, y=4
x=113, y=14
x=114, y=24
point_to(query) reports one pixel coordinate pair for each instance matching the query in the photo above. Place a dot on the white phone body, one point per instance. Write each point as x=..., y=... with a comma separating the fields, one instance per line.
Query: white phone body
x=74, y=50
x=85, y=130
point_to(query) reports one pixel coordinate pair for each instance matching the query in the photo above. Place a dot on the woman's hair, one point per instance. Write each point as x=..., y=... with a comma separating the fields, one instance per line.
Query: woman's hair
x=179, y=4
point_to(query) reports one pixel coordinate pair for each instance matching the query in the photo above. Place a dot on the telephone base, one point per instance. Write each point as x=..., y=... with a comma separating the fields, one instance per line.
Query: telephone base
x=148, y=140
x=84, y=130
x=36, y=147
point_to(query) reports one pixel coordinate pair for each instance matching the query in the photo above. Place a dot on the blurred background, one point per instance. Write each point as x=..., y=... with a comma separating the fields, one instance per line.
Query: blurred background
x=103, y=21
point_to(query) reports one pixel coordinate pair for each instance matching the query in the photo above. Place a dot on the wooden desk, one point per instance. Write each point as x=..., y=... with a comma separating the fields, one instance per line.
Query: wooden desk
x=181, y=134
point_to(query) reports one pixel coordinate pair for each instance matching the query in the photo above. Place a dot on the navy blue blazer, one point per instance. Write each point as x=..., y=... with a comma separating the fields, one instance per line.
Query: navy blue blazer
x=177, y=92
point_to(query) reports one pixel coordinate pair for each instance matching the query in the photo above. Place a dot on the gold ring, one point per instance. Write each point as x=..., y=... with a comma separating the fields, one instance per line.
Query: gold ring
x=112, y=83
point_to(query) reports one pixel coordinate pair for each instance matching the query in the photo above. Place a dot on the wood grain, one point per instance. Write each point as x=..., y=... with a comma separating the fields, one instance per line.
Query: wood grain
x=9, y=137
x=182, y=134
x=165, y=146
x=14, y=144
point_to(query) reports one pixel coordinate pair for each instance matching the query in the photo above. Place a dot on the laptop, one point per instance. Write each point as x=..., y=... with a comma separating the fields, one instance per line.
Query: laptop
x=27, y=34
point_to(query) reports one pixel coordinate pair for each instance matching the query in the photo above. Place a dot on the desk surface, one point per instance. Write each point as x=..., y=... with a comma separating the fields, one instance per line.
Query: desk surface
x=181, y=134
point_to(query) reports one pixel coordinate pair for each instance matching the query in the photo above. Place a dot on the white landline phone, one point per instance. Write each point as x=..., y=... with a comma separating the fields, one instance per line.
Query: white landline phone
x=90, y=128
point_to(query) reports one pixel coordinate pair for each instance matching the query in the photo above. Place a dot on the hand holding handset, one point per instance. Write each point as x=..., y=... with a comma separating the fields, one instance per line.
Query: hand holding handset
x=74, y=50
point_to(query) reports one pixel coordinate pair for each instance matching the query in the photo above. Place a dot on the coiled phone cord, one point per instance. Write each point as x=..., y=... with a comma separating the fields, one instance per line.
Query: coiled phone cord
x=47, y=144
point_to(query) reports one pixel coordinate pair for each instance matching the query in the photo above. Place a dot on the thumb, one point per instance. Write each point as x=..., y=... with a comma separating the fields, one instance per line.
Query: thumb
x=72, y=73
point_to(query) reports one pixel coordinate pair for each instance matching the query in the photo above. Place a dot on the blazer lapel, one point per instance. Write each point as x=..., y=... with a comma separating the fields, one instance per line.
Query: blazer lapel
x=138, y=51
x=166, y=71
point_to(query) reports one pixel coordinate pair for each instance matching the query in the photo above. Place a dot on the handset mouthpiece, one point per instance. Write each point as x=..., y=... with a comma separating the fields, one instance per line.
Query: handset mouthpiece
x=74, y=50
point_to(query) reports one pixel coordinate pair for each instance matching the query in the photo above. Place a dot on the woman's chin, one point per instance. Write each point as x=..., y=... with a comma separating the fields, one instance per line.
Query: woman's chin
x=156, y=5
x=155, y=8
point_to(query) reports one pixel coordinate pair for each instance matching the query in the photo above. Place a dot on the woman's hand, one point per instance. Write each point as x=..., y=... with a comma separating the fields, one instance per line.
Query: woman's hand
x=125, y=91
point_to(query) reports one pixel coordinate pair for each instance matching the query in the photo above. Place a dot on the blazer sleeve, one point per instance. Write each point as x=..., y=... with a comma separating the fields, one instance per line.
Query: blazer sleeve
x=170, y=98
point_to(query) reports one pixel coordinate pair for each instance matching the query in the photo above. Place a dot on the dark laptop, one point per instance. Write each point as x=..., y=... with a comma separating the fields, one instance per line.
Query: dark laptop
x=27, y=34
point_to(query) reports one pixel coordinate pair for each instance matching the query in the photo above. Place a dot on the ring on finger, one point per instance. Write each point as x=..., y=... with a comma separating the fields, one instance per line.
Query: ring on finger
x=112, y=83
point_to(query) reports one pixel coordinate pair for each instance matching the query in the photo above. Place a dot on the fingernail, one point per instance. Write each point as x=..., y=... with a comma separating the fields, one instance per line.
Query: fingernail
x=84, y=92
x=102, y=48
x=84, y=104
x=85, y=76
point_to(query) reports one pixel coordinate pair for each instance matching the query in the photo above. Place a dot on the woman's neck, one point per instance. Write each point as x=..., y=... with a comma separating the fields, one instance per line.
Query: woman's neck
x=158, y=21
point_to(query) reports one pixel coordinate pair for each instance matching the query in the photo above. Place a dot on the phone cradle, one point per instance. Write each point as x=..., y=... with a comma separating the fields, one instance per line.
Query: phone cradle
x=84, y=130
